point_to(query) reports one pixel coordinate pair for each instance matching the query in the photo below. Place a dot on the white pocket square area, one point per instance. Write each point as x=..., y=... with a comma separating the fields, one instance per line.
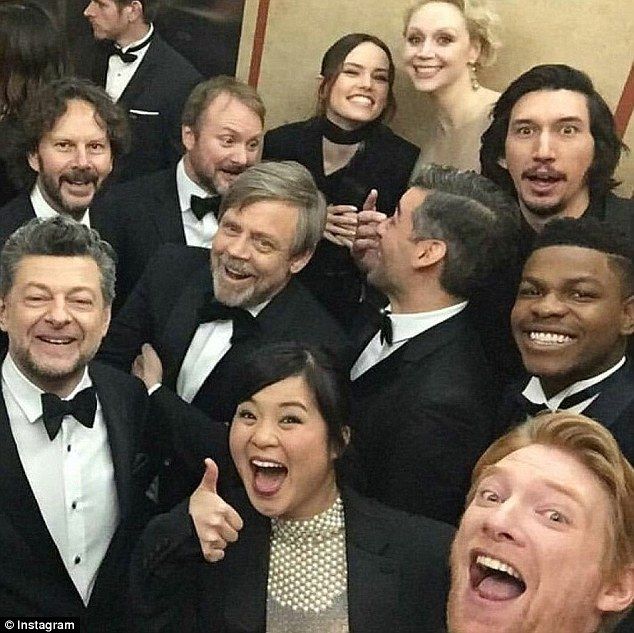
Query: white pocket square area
x=145, y=112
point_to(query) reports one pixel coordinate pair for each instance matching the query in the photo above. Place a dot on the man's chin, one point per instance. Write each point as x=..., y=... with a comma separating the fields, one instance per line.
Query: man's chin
x=544, y=209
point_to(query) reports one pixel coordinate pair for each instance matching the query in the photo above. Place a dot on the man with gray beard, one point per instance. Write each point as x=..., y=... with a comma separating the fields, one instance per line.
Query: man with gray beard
x=186, y=332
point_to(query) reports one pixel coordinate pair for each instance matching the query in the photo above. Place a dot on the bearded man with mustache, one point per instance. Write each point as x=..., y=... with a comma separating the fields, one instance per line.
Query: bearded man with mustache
x=72, y=135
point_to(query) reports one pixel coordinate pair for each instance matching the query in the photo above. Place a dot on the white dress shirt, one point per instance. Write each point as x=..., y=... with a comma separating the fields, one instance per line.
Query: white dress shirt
x=404, y=327
x=208, y=345
x=44, y=210
x=535, y=392
x=197, y=232
x=120, y=73
x=72, y=476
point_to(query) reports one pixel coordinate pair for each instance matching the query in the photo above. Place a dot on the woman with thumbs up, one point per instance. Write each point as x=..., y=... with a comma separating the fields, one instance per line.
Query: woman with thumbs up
x=293, y=549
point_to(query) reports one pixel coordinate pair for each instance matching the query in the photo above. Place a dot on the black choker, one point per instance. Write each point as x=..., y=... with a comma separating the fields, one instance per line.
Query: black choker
x=336, y=134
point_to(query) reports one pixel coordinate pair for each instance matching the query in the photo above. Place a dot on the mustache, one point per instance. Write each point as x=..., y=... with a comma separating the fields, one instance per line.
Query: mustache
x=231, y=168
x=544, y=171
x=237, y=266
x=79, y=175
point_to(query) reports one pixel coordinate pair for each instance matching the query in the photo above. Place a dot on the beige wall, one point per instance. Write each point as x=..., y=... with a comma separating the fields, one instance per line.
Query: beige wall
x=593, y=35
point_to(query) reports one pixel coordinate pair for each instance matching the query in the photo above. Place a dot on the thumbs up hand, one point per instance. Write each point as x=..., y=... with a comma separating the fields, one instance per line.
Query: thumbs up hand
x=216, y=522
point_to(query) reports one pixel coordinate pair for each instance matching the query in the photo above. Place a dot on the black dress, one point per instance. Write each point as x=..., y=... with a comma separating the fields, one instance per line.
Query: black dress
x=383, y=162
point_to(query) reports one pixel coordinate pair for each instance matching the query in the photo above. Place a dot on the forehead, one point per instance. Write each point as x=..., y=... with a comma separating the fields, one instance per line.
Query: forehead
x=291, y=389
x=547, y=466
x=79, y=119
x=367, y=54
x=551, y=105
x=558, y=263
x=225, y=111
x=438, y=15
x=273, y=217
x=58, y=272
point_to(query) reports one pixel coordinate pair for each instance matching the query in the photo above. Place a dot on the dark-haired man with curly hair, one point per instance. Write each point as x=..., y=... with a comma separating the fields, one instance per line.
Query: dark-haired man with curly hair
x=572, y=316
x=72, y=135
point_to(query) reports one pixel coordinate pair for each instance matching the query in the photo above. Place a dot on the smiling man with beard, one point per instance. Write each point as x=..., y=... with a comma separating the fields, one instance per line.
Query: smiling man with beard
x=73, y=133
x=186, y=330
x=553, y=144
x=222, y=125
x=546, y=542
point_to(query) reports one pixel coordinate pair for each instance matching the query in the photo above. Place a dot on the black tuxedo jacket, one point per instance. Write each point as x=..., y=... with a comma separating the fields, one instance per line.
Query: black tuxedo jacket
x=614, y=408
x=139, y=217
x=422, y=417
x=154, y=100
x=163, y=311
x=397, y=573
x=33, y=579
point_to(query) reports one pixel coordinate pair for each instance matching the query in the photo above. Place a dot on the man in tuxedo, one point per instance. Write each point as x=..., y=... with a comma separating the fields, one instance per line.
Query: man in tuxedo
x=70, y=431
x=192, y=329
x=552, y=143
x=572, y=316
x=221, y=132
x=146, y=76
x=545, y=543
x=423, y=390
x=73, y=134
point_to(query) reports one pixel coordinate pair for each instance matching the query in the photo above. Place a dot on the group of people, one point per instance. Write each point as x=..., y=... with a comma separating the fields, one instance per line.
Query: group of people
x=243, y=394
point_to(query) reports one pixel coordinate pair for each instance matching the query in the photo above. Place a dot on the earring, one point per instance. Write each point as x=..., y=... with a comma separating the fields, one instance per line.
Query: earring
x=473, y=75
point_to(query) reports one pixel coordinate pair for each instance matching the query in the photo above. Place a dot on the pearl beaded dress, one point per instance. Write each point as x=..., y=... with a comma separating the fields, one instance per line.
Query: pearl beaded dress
x=308, y=574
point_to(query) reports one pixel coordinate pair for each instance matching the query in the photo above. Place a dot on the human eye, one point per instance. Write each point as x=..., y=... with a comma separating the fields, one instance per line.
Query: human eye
x=35, y=298
x=264, y=245
x=290, y=419
x=524, y=130
x=414, y=40
x=583, y=294
x=382, y=77
x=227, y=141
x=489, y=496
x=97, y=147
x=444, y=39
x=527, y=290
x=556, y=516
x=569, y=129
x=63, y=146
x=228, y=227
x=244, y=414
x=254, y=144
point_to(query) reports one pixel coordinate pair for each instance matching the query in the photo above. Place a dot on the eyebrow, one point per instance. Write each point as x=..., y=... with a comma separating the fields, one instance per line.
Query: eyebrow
x=362, y=67
x=563, y=119
x=567, y=281
x=293, y=403
x=572, y=494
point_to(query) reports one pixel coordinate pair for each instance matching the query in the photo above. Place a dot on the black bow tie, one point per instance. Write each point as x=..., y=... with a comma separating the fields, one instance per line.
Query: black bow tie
x=387, y=333
x=82, y=407
x=128, y=56
x=531, y=409
x=202, y=206
x=244, y=323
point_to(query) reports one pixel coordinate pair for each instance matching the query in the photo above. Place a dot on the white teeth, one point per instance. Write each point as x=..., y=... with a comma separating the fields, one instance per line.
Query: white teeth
x=550, y=338
x=494, y=563
x=261, y=464
x=56, y=341
x=363, y=100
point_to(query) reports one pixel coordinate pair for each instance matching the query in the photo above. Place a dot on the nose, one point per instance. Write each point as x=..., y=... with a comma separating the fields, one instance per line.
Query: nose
x=88, y=10
x=264, y=434
x=549, y=304
x=544, y=147
x=58, y=314
x=240, y=154
x=365, y=80
x=80, y=157
x=503, y=523
x=238, y=247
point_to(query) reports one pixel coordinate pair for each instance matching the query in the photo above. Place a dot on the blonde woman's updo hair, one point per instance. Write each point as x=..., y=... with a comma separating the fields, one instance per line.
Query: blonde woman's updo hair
x=482, y=23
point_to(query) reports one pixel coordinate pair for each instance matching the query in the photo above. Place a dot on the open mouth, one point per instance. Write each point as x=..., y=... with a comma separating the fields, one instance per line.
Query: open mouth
x=493, y=579
x=235, y=273
x=544, y=181
x=549, y=339
x=50, y=340
x=268, y=476
x=362, y=100
x=426, y=71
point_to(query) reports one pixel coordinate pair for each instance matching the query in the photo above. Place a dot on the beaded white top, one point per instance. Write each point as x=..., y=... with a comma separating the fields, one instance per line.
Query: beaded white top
x=308, y=568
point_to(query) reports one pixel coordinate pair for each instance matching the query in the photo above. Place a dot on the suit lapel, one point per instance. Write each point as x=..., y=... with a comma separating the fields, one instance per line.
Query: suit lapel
x=20, y=506
x=372, y=573
x=612, y=401
x=166, y=214
x=182, y=324
x=119, y=436
x=138, y=84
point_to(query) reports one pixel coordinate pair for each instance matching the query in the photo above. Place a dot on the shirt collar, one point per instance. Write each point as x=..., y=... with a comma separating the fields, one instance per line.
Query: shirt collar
x=535, y=392
x=147, y=36
x=186, y=187
x=44, y=210
x=26, y=394
x=407, y=326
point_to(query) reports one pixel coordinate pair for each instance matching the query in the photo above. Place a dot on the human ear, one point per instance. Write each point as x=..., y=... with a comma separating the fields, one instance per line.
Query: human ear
x=627, y=326
x=618, y=594
x=188, y=136
x=429, y=252
x=502, y=163
x=299, y=261
x=34, y=161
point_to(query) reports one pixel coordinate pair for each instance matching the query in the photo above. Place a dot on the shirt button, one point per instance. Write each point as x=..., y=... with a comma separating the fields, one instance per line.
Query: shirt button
x=77, y=560
x=68, y=448
x=73, y=505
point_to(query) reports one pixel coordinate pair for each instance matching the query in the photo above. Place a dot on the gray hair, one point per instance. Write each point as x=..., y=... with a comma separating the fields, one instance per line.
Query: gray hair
x=284, y=181
x=60, y=236
x=477, y=220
